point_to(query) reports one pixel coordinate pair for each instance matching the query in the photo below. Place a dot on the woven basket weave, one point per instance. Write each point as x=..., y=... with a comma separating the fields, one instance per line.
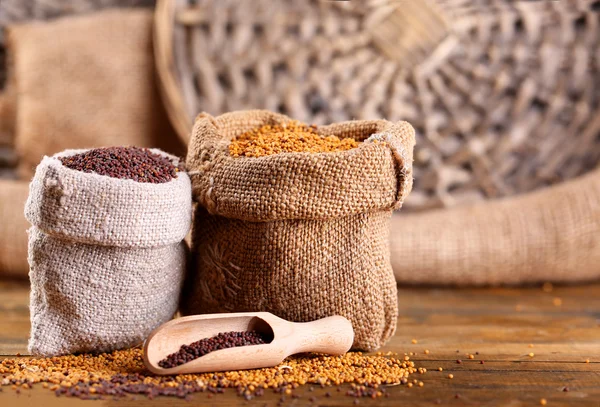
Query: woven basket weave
x=503, y=94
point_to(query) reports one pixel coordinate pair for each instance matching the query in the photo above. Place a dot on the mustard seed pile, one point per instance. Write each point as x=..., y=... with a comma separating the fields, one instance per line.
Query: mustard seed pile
x=204, y=346
x=138, y=164
x=291, y=137
x=122, y=373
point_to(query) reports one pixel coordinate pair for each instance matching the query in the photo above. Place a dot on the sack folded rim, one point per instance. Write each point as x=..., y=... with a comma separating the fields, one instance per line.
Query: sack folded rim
x=217, y=176
x=84, y=207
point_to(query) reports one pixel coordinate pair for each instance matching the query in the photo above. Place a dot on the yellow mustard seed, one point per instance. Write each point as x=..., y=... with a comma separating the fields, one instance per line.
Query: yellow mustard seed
x=414, y=341
x=531, y=354
x=471, y=357
x=85, y=374
x=543, y=402
x=440, y=369
x=427, y=351
x=450, y=376
x=290, y=137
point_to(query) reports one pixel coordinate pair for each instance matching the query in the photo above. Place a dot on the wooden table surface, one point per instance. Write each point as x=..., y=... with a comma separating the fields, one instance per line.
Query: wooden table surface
x=562, y=325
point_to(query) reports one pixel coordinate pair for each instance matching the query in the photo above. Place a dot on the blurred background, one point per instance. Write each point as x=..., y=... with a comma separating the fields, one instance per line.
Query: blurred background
x=504, y=96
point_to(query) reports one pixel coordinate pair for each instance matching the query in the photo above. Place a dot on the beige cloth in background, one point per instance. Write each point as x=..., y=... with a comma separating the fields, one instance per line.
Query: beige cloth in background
x=13, y=228
x=76, y=82
x=549, y=235
x=86, y=81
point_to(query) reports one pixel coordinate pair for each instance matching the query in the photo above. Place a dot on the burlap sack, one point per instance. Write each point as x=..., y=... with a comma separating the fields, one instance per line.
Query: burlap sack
x=106, y=255
x=86, y=81
x=301, y=235
x=13, y=229
x=548, y=235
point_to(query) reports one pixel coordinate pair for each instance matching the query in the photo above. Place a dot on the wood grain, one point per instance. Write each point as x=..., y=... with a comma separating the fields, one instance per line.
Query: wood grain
x=498, y=323
x=332, y=335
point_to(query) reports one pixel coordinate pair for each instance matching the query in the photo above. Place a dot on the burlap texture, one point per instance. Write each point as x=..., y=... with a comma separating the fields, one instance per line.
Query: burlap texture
x=106, y=257
x=86, y=81
x=548, y=235
x=301, y=235
x=97, y=209
x=13, y=228
x=91, y=298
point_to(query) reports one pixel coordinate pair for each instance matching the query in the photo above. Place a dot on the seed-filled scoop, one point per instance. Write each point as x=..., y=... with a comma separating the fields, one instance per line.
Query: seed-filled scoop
x=332, y=335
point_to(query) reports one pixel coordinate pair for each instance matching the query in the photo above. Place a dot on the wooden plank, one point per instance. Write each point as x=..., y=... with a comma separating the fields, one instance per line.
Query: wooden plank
x=481, y=388
x=584, y=298
x=442, y=320
x=14, y=317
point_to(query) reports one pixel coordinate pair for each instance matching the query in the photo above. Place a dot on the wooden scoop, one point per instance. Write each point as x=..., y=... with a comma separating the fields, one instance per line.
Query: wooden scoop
x=333, y=335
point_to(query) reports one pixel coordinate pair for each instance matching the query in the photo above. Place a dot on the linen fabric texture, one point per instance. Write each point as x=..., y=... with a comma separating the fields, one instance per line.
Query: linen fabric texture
x=106, y=255
x=301, y=235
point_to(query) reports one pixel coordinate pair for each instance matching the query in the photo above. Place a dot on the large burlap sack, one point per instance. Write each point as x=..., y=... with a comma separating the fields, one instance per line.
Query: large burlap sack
x=301, y=235
x=13, y=229
x=106, y=255
x=548, y=235
x=86, y=81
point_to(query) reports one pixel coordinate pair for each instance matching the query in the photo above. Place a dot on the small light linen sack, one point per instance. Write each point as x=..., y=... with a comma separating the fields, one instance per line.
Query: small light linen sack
x=301, y=235
x=107, y=257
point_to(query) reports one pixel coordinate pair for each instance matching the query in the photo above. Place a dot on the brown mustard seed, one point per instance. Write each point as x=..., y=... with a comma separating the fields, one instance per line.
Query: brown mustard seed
x=138, y=164
x=291, y=137
x=122, y=373
x=204, y=346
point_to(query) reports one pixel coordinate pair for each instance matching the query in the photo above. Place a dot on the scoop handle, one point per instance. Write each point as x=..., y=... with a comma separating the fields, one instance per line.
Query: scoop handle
x=332, y=335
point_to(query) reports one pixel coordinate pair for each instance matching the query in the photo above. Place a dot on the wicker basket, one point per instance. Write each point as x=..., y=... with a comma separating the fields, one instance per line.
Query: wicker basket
x=503, y=94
